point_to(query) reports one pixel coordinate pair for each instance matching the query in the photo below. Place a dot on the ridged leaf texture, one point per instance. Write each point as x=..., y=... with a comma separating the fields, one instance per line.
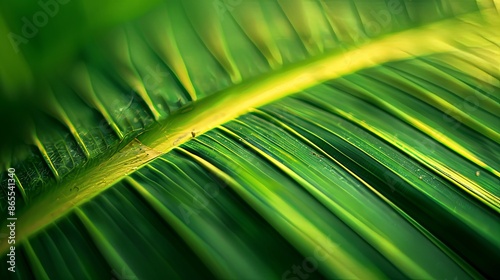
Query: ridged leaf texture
x=277, y=139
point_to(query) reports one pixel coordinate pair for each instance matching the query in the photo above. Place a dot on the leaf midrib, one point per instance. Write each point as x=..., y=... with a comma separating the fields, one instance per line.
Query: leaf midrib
x=203, y=115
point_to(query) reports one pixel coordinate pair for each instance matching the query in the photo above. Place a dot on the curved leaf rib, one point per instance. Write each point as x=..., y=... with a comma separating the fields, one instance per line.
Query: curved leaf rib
x=350, y=158
x=213, y=111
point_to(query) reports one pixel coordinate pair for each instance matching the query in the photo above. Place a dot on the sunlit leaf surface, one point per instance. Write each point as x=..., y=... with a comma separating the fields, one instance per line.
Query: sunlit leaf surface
x=290, y=139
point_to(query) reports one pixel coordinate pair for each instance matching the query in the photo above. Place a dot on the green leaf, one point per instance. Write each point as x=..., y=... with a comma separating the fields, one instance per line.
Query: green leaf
x=267, y=139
